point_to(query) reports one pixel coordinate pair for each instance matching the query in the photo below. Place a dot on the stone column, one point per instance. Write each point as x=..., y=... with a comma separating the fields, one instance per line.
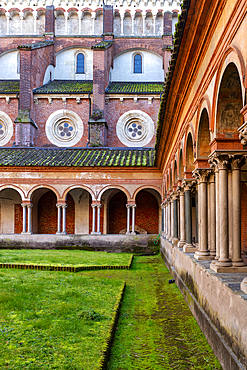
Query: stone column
x=128, y=219
x=230, y=205
x=80, y=15
x=133, y=24
x=122, y=19
x=175, y=220
x=98, y=219
x=143, y=23
x=35, y=22
x=64, y=206
x=21, y=15
x=93, y=15
x=202, y=253
x=188, y=247
x=217, y=211
x=24, y=212
x=29, y=218
x=212, y=206
x=224, y=260
x=236, y=212
x=154, y=19
x=133, y=220
x=182, y=241
x=171, y=220
x=93, y=232
x=7, y=15
x=59, y=206
x=66, y=17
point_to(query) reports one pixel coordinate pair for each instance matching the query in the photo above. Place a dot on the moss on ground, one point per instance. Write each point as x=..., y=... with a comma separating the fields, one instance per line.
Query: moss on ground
x=156, y=329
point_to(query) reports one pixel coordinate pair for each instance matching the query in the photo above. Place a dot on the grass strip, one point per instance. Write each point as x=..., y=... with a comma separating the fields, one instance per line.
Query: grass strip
x=56, y=321
x=60, y=260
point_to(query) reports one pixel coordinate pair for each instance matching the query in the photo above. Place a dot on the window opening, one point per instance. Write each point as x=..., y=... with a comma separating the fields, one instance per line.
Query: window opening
x=137, y=63
x=80, y=63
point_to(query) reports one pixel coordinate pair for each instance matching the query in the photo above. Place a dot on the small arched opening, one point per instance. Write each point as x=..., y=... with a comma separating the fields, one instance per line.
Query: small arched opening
x=11, y=214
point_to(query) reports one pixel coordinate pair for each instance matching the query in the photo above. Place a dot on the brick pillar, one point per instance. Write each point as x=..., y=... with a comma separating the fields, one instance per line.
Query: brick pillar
x=108, y=19
x=168, y=23
x=49, y=22
x=25, y=127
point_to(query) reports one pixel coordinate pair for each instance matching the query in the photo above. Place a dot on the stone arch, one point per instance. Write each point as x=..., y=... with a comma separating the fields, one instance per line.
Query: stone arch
x=181, y=164
x=10, y=210
x=229, y=103
x=127, y=24
x=82, y=187
x=175, y=172
x=3, y=22
x=143, y=187
x=40, y=23
x=121, y=188
x=44, y=210
x=60, y=22
x=115, y=211
x=189, y=153
x=28, y=23
x=148, y=211
x=203, y=135
x=31, y=191
x=14, y=187
x=232, y=55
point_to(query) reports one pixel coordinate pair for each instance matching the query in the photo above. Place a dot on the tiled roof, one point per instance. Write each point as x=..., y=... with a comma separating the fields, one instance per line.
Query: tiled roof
x=36, y=45
x=9, y=86
x=65, y=87
x=102, y=45
x=135, y=88
x=85, y=157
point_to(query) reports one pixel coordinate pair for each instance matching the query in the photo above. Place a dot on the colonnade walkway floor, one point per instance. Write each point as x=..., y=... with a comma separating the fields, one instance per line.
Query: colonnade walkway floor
x=156, y=329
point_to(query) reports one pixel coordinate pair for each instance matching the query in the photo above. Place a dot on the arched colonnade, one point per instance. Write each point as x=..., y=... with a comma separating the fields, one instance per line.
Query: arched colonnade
x=204, y=182
x=79, y=210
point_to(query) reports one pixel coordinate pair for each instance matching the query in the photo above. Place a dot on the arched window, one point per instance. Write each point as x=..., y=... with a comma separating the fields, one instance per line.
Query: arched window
x=80, y=63
x=137, y=63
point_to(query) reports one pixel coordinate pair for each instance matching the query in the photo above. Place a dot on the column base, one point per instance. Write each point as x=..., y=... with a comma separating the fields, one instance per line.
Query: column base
x=200, y=257
x=170, y=239
x=188, y=248
x=239, y=263
x=212, y=253
x=175, y=241
x=98, y=233
x=24, y=232
x=243, y=285
x=226, y=269
x=58, y=233
x=133, y=233
x=127, y=233
x=94, y=233
x=63, y=233
x=181, y=244
x=29, y=233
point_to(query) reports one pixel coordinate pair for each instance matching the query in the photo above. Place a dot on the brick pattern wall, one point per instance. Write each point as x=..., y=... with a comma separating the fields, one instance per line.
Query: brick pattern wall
x=147, y=212
x=117, y=213
x=114, y=110
x=25, y=79
x=108, y=19
x=49, y=19
x=167, y=23
x=18, y=227
x=47, y=214
x=243, y=217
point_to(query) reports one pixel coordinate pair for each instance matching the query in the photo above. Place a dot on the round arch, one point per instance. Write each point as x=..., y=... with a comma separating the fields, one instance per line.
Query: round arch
x=112, y=187
x=31, y=192
x=203, y=136
x=231, y=55
x=14, y=187
x=189, y=152
x=145, y=187
x=82, y=187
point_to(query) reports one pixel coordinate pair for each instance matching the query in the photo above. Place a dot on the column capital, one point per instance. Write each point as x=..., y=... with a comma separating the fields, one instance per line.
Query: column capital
x=237, y=161
x=64, y=205
x=29, y=205
x=221, y=161
x=243, y=133
x=201, y=174
x=188, y=184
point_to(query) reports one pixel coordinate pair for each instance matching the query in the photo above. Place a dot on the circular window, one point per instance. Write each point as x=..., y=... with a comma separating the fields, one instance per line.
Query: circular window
x=6, y=128
x=64, y=128
x=135, y=128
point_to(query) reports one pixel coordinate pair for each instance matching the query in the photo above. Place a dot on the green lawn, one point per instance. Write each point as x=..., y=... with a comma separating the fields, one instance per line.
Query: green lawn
x=63, y=257
x=54, y=320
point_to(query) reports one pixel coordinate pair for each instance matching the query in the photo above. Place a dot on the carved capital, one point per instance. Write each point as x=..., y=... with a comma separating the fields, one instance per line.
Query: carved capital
x=221, y=161
x=188, y=184
x=201, y=174
x=243, y=133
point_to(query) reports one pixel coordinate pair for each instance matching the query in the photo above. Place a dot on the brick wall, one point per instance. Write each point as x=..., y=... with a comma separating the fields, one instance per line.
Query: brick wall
x=47, y=214
x=114, y=110
x=243, y=217
x=108, y=19
x=147, y=212
x=167, y=23
x=117, y=213
x=49, y=19
x=18, y=219
x=11, y=110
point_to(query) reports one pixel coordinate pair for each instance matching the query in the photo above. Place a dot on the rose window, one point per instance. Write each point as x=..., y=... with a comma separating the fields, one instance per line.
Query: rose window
x=135, y=130
x=64, y=130
x=3, y=130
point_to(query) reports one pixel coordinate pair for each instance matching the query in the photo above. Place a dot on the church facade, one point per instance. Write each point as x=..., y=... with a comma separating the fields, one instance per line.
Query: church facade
x=80, y=90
